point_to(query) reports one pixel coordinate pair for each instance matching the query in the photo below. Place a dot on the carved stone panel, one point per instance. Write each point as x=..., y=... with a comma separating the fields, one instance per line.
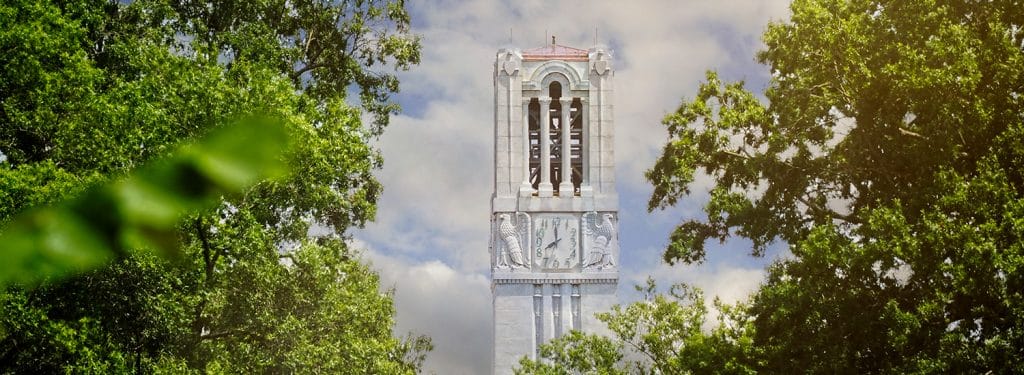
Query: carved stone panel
x=600, y=241
x=556, y=242
x=508, y=62
x=600, y=63
x=512, y=240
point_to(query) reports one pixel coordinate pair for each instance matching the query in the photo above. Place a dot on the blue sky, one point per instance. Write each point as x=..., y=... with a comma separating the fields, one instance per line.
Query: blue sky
x=430, y=238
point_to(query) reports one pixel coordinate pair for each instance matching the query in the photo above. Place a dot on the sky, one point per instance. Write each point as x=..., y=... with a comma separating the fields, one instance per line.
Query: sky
x=430, y=239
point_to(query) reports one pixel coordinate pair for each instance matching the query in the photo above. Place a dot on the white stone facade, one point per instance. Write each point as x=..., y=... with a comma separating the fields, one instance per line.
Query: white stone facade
x=554, y=243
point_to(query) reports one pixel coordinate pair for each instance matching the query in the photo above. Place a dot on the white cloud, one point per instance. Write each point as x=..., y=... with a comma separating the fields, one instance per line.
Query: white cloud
x=450, y=306
x=728, y=283
x=431, y=234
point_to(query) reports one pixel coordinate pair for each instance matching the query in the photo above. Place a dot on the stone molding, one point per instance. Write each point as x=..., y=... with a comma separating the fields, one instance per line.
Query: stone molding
x=563, y=280
x=556, y=66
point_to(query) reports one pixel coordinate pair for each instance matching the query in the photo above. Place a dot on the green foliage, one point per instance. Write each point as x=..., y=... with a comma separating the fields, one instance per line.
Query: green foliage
x=141, y=211
x=888, y=157
x=91, y=89
x=939, y=295
x=113, y=319
x=325, y=48
x=576, y=352
x=662, y=334
x=317, y=314
x=868, y=101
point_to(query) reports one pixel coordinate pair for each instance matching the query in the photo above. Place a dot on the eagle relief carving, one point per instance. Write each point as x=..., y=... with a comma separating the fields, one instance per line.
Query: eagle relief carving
x=600, y=241
x=601, y=64
x=509, y=62
x=512, y=238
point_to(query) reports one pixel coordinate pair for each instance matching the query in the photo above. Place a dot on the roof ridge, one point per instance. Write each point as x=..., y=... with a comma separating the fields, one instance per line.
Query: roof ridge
x=555, y=52
x=557, y=45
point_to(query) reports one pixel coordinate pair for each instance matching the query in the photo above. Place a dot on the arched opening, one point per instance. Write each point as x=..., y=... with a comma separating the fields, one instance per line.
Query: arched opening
x=555, y=90
x=534, y=139
x=555, y=133
x=576, y=145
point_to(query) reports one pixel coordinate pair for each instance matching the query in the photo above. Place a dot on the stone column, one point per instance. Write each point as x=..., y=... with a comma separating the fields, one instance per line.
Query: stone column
x=565, y=187
x=545, y=189
x=526, y=188
x=586, y=189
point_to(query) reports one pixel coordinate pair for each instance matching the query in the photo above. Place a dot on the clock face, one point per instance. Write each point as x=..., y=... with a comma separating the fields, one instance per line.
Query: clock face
x=556, y=242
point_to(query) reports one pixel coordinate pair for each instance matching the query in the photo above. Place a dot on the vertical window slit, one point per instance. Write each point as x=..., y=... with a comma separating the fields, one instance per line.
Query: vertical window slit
x=556, y=308
x=538, y=318
x=576, y=144
x=534, y=139
x=576, y=323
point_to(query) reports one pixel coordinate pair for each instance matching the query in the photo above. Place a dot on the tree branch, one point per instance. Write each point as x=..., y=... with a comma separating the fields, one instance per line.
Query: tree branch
x=208, y=263
x=912, y=134
x=217, y=335
x=209, y=257
x=298, y=73
x=309, y=39
x=826, y=211
x=736, y=154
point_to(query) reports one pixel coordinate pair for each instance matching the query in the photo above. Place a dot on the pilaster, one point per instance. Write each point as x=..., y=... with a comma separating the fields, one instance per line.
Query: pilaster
x=545, y=189
x=565, y=188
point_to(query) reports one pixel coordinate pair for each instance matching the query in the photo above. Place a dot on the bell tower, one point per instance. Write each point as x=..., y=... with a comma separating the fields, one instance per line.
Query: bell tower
x=554, y=213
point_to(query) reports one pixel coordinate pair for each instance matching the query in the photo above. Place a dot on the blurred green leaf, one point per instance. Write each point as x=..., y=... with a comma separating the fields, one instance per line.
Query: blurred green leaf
x=235, y=160
x=142, y=210
x=49, y=242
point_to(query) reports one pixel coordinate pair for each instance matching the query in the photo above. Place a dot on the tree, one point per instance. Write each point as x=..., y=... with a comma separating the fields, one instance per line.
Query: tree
x=888, y=157
x=661, y=334
x=575, y=353
x=90, y=90
x=142, y=210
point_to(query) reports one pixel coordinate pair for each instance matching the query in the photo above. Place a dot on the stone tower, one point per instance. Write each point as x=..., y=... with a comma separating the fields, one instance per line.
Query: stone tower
x=554, y=213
